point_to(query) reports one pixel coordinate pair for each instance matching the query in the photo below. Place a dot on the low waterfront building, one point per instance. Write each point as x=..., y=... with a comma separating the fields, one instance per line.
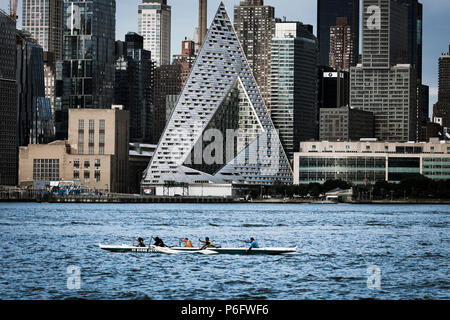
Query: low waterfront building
x=96, y=153
x=140, y=154
x=366, y=162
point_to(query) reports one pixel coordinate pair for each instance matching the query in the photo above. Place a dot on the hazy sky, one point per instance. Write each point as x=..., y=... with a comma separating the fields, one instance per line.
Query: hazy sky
x=185, y=16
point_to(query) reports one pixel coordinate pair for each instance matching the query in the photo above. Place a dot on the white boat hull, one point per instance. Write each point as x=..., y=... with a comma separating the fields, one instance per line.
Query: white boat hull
x=210, y=251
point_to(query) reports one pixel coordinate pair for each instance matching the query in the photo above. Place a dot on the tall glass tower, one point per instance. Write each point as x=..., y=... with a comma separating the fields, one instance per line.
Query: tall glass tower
x=294, y=84
x=86, y=75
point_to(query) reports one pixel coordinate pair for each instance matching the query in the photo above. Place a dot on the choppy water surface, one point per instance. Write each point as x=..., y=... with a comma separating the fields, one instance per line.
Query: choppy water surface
x=336, y=246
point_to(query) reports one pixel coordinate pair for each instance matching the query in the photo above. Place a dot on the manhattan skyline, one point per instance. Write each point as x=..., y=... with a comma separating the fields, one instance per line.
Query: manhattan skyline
x=185, y=19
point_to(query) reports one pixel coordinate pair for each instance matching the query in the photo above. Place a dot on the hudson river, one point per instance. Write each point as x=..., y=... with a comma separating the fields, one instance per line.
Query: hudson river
x=344, y=251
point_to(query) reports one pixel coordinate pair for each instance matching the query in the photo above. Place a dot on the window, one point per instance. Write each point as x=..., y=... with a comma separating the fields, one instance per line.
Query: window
x=46, y=169
x=97, y=175
x=97, y=163
x=87, y=176
x=76, y=163
x=87, y=164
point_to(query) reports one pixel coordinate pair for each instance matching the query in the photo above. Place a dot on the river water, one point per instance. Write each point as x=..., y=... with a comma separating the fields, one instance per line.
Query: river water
x=344, y=251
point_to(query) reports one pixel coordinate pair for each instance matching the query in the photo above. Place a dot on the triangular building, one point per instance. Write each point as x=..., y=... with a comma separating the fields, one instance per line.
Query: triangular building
x=220, y=137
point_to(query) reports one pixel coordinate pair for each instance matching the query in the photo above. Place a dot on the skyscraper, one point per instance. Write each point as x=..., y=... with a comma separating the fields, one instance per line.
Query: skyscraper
x=384, y=83
x=35, y=121
x=254, y=23
x=43, y=19
x=168, y=82
x=134, y=83
x=442, y=107
x=342, y=46
x=415, y=34
x=154, y=25
x=333, y=88
x=8, y=98
x=220, y=94
x=294, y=84
x=86, y=75
x=327, y=12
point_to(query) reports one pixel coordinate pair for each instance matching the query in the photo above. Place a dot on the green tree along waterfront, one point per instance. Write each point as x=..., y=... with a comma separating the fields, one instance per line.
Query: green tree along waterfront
x=413, y=187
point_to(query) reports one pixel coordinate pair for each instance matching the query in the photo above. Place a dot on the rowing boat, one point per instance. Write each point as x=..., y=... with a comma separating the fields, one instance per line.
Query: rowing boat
x=210, y=251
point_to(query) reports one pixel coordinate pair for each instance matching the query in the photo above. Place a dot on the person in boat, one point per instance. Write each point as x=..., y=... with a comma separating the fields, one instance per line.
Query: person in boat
x=207, y=244
x=187, y=243
x=253, y=244
x=140, y=241
x=159, y=242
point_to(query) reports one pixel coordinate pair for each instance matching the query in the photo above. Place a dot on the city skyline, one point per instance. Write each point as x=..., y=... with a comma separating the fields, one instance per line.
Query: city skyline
x=185, y=19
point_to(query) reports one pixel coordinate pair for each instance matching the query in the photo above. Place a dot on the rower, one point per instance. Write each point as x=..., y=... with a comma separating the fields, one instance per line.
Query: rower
x=187, y=243
x=207, y=244
x=140, y=242
x=159, y=242
x=253, y=244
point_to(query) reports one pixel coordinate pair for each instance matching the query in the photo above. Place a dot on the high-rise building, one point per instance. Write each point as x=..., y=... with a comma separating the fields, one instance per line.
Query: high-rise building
x=202, y=21
x=415, y=34
x=35, y=121
x=334, y=86
x=8, y=98
x=384, y=83
x=441, y=112
x=134, y=83
x=345, y=124
x=219, y=102
x=186, y=59
x=425, y=103
x=43, y=19
x=342, y=46
x=327, y=12
x=254, y=23
x=168, y=82
x=414, y=55
x=154, y=25
x=86, y=75
x=294, y=84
